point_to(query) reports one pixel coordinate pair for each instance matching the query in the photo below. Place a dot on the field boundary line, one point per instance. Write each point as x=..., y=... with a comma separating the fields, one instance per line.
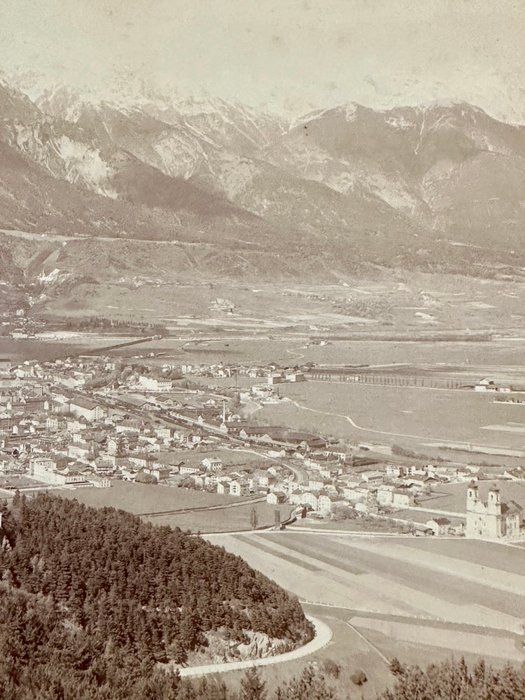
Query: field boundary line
x=368, y=642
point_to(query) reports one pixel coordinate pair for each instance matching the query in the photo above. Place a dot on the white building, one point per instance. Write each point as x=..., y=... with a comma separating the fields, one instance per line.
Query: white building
x=372, y=477
x=385, y=495
x=275, y=498
x=100, y=482
x=239, y=487
x=276, y=378
x=44, y=469
x=295, y=377
x=79, y=451
x=153, y=384
x=439, y=526
x=212, y=464
x=492, y=519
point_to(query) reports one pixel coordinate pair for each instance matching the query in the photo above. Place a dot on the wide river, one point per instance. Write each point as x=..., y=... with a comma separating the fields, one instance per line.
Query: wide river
x=33, y=349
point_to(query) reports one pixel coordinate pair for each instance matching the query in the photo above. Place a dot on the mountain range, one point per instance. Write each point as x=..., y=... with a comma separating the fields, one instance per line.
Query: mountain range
x=235, y=193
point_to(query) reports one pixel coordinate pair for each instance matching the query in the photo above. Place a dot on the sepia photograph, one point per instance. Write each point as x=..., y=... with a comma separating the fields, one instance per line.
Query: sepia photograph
x=262, y=350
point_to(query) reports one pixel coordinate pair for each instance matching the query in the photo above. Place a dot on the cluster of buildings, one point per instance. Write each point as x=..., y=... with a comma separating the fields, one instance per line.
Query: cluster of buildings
x=491, y=385
x=335, y=484
x=86, y=421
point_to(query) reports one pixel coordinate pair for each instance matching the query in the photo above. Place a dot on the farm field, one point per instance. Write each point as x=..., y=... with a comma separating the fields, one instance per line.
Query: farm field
x=496, y=353
x=351, y=648
x=496, y=555
x=286, y=346
x=394, y=414
x=230, y=350
x=396, y=597
x=145, y=498
x=392, y=576
x=238, y=517
x=350, y=525
x=233, y=513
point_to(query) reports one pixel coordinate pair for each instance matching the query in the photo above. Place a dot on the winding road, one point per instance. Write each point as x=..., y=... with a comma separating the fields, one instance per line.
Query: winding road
x=323, y=635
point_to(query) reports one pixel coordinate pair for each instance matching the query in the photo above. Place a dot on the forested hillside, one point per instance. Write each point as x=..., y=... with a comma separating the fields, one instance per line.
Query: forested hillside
x=94, y=604
x=87, y=591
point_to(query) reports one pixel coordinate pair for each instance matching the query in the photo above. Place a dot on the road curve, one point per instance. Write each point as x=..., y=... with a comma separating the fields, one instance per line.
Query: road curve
x=323, y=635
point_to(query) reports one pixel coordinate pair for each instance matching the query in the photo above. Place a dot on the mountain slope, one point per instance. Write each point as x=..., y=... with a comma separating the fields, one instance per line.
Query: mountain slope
x=82, y=155
x=150, y=206
x=451, y=168
x=349, y=187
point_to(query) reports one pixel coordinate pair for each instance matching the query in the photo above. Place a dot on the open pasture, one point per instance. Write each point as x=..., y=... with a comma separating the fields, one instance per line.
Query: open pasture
x=467, y=354
x=481, y=553
x=394, y=414
x=290, y=348
x=363, y=524
x=145, y=498
x=217, y=513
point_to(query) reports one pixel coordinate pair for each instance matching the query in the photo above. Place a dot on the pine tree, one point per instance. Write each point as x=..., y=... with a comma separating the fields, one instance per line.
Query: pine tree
x=252, y=687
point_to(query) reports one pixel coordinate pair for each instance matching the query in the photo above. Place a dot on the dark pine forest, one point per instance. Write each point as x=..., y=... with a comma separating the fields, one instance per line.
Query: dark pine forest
x=99, y=595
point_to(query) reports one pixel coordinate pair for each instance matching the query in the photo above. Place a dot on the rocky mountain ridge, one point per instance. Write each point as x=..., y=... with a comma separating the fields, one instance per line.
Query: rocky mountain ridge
x=436, y=187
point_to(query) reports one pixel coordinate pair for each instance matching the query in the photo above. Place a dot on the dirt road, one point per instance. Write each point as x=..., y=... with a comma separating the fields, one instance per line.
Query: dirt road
x=323, y=635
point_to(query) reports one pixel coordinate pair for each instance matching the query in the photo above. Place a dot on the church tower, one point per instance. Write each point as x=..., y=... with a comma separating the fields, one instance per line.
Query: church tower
x=472, y=494
x=494, y=502
x=475, y=526
x=494, y=523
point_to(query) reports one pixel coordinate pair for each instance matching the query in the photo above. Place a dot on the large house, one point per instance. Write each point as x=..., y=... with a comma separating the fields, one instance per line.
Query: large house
x=44, y=469
x=492, y=519
x=212, y=464
x=396, y=498
x=275, y=498
x=154, y=384
x=85, y=408
x=490, y=385
x=239, y=487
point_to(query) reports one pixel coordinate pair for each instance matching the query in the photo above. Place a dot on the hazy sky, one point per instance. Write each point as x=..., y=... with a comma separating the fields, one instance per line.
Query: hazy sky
x=292, y=55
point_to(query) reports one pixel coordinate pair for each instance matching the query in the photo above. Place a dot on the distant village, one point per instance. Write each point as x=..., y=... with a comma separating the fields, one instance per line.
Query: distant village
x=88, y=421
